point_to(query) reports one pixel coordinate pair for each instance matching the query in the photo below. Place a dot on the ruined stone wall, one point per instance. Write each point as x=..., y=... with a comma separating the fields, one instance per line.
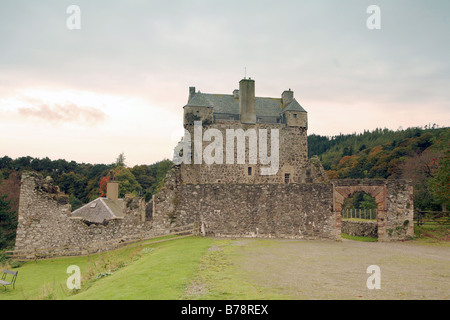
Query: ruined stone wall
x=45, y=221
x=42, y=220
x=302, y=211
x=294, y=211
x=360, y=228
x=399, y=224
x=298, y=211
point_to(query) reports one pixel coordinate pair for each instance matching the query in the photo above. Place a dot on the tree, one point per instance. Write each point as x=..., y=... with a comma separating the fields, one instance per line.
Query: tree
x=8, y=223
x=127, y=182
x=5, y=162
x=420, y=168
x=75, y=203
x=11, y=188
x=103, y=185
x=120, y=161
x=73, y=183
x=439, y=184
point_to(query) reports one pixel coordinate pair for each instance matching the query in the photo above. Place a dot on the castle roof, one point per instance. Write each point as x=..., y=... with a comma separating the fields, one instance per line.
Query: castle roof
x=293, y=106
x=100, y=210
x=228, y=104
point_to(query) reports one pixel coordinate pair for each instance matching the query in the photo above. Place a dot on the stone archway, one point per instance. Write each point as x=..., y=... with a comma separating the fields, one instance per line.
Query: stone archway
x=342, y=189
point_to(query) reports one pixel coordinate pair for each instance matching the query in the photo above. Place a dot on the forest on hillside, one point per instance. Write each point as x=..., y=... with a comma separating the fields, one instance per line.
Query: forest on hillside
x=83, y=183
x=419, y=154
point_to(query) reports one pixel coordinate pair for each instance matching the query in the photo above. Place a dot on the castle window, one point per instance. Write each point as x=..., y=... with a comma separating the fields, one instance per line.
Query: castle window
x=295, y=115
x=258, y=120
x=287, y=178
x=249, y=171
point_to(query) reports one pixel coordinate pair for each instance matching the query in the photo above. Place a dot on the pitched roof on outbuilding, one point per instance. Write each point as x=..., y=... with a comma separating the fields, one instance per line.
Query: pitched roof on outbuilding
x=100, y=210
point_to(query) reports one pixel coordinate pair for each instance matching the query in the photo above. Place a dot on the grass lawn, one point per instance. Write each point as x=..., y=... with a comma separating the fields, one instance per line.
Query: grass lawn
x=153, y=271
x=358, y=238
x=202, y=268
x=186, y=269
x=432, y=234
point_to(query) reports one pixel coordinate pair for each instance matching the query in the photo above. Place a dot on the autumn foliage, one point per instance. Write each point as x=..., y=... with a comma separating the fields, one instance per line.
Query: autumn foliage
x=104, y=183
x=417, y=154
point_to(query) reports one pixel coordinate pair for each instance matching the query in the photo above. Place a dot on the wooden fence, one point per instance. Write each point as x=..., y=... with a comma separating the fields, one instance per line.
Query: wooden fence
x=87, y=250
x=432, y=218
x=365, y=214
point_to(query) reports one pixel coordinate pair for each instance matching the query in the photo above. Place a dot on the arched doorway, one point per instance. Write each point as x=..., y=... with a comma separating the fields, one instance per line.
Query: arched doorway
x=377, y=190
x=359, y=217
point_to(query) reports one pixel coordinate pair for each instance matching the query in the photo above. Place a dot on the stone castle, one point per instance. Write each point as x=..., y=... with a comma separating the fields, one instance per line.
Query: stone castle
x=242, y=110
x=228, y=199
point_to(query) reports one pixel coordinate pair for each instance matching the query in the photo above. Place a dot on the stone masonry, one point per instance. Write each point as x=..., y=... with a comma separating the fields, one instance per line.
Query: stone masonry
x=45, y=222
x=224, y=200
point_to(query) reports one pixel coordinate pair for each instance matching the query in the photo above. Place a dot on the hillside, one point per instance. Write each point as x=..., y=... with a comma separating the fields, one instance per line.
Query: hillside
x=420, y=154
x=82, y=182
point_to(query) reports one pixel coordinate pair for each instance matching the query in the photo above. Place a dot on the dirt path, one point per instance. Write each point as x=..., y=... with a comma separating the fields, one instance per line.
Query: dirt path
x=337, y=270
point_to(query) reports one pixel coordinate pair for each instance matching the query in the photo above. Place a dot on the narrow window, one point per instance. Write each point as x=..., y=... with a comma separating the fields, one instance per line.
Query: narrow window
x=295, y=115
x=287, y=178
x=249, y=171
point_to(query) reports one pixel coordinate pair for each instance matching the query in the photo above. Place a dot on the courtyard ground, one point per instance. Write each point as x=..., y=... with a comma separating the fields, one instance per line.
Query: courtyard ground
x=197, y=268
x=323, y=270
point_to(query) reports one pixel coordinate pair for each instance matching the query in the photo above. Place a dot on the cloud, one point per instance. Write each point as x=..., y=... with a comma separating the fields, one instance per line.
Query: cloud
x=64, y=113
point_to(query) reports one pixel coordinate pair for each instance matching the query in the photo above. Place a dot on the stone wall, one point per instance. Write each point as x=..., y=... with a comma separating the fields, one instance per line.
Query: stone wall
x=399, y=221
x=297, y=211
x=294, y=210
x=296, y=119
x=395, y=203
x=204, y=114
x=293, y=158
x=360, y=228
x=45, y=221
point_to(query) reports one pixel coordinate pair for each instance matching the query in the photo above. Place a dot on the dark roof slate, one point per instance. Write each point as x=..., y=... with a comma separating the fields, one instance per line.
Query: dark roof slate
x=293, y=106
x=99, y=210
x=224, y=103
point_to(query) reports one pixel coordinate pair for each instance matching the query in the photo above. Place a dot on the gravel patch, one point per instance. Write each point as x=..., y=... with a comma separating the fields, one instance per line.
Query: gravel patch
x=338, y=270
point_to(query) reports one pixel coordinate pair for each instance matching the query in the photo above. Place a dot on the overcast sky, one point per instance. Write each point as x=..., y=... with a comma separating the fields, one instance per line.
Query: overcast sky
x=119, y=83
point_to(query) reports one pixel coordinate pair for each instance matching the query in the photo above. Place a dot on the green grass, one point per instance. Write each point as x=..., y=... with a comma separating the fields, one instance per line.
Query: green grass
x=163, y=273
x=359, y=238
x=432, y=234
x=137, y=273
x=220, y=277
x=358, y=219
x=188, y=268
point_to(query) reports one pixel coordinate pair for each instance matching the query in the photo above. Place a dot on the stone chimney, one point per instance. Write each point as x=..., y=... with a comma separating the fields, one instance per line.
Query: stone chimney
x=287, y=97
x=191, y=93
x=112, y=190
x=247, y=101
x=236, y=94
